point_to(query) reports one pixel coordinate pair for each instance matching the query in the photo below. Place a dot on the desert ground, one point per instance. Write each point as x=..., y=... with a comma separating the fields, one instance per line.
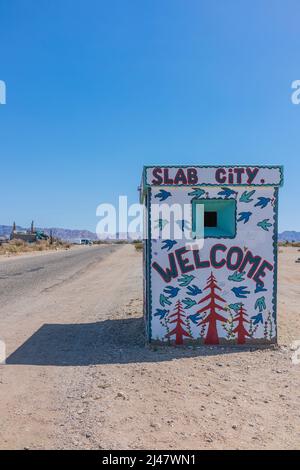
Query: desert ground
x=79, y=374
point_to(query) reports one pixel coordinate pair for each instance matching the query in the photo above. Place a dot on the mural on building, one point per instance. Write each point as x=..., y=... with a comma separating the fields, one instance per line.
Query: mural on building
x=225, y=291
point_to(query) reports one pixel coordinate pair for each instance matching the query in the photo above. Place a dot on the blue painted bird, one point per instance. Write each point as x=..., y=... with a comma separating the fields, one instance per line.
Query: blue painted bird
x=183, y=224
x=244, y=217
x=237, y=276
x=235, y=307
x=185, y=280
x=262, y=202
x=196, y=193
x=189, y=302
x=163, y=300
x=257, y=318
x=195, y=318
x=193, y=290
x=264, y=224
x=163, y=195
x=161, y=313
x=260, y=304
x=259, y=288
x=226, y=192
x=168, y=244
x=171, y=291
x=240, y=292
x=246, y=196
x=160, y=223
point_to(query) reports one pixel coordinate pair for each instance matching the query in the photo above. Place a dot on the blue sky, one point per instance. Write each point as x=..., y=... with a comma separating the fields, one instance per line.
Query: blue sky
x=96, y=89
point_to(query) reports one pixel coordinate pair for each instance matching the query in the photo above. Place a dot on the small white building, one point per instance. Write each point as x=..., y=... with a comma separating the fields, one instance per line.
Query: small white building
x=210, y=254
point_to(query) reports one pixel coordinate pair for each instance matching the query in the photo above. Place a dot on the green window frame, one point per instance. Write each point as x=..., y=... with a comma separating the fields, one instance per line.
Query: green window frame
x=225, y=210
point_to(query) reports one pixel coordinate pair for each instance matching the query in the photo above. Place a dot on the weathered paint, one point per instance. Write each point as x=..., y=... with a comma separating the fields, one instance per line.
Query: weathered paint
x=226, y=291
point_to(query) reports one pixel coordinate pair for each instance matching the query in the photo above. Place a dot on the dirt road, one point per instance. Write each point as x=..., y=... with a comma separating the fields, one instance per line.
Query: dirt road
x=78, y=374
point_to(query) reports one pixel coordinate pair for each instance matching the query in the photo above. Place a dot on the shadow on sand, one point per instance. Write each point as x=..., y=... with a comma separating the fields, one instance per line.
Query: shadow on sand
x=119, y=341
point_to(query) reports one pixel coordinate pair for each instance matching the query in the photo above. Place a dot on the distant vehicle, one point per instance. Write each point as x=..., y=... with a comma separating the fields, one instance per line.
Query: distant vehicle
x=86, y=241
x=82, y=241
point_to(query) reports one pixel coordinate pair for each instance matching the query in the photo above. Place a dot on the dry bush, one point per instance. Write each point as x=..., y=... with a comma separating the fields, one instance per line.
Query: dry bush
x=41, y=245
x=18, y=242
x=17, y=246
x=138, y=246
x=292, y=244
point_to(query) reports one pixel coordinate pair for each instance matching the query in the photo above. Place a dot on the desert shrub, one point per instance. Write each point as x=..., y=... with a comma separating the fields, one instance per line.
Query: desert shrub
x=16, y=246
x=138, y=246
x=18, y=242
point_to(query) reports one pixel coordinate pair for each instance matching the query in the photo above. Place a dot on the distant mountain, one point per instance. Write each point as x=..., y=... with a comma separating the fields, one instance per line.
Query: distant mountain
x=5, y=230
x=61, y=233
x=68, y=234
x=289, y=235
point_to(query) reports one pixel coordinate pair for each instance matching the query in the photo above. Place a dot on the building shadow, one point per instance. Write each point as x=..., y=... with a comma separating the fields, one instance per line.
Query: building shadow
x=119, y=341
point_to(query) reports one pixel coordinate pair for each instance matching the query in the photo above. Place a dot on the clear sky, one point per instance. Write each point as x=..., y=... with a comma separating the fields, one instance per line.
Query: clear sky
x=96, y=89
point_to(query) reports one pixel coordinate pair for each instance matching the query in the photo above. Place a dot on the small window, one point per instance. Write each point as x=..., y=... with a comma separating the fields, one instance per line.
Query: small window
x=215, y=218
x=210, y=219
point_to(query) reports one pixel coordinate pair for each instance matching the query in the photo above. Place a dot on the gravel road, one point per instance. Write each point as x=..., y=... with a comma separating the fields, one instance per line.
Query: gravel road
x=79, y=375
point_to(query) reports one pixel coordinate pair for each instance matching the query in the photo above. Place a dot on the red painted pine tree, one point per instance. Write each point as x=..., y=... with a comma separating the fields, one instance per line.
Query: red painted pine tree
x=240, y=329
x=179, y=319
x=213, y=316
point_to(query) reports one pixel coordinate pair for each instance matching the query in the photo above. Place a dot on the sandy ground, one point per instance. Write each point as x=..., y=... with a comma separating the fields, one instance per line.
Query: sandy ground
x=79, y=374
